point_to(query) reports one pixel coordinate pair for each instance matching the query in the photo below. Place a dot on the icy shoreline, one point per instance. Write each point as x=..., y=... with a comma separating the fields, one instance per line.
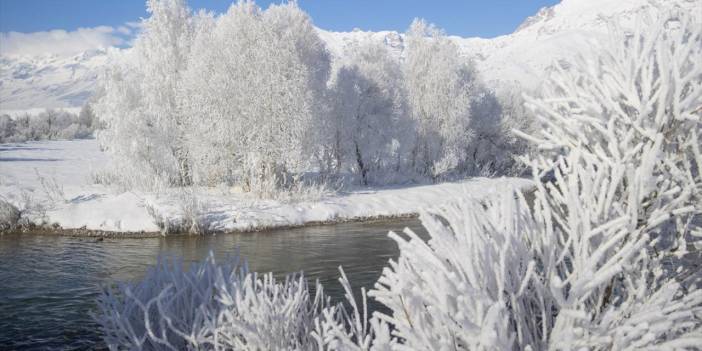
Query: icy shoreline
x=52, y=183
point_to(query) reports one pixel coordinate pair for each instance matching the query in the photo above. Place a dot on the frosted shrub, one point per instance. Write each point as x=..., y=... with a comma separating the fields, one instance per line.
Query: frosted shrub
x=210, y=306
x=467, y=287
x=8, y=128
x=223, y=306
x=191, y=218
x=9, y=216
x=621, y=138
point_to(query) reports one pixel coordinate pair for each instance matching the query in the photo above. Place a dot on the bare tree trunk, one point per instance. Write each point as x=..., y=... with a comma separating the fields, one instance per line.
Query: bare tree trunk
x=184, y=174
x=361, y=165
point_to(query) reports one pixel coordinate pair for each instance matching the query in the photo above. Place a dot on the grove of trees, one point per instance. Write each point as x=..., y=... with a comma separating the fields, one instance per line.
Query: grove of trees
x=249, y=98
x=48, y=125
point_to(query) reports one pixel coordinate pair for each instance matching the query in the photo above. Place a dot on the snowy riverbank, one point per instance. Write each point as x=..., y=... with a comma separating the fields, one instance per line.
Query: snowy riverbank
x=53, y=182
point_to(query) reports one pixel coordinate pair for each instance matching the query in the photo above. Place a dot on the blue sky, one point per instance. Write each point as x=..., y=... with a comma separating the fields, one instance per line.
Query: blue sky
x=486, y=18
x=69, y=27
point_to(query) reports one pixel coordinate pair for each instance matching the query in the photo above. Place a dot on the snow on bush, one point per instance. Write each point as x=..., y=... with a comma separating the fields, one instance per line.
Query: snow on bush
x=467, y=287
x=223, y=306
x=9, y=216
x=621, y=139
x=588, y=265
x=212, y=306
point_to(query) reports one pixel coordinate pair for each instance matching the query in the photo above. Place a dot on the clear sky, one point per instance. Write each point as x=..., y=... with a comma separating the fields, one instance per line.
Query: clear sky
x=485, y=18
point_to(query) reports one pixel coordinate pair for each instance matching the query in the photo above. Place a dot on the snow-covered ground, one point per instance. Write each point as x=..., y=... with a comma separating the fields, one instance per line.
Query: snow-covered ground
x=58, y=176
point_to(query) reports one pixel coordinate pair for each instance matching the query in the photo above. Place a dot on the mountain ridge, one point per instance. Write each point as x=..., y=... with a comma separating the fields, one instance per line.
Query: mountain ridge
x=521, y=58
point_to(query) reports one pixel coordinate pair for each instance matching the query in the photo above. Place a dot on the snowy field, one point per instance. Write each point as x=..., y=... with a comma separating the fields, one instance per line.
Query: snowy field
x=55, y=180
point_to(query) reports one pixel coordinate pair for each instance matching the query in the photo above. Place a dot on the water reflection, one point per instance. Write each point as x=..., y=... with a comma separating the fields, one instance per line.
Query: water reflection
x=48, y=283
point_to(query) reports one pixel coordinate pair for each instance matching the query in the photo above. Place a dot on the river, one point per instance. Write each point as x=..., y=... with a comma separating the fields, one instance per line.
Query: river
x=48, y=283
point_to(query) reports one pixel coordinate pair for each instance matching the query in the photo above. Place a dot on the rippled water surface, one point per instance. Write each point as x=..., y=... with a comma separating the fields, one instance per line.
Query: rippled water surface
x=48, y=283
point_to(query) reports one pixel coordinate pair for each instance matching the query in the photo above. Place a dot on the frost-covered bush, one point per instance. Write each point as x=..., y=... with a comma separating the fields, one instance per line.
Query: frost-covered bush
x=7, y=128
x=223, y=306
x=467, y=287
x=9, y=216
x=622, y=138
x=212, y=306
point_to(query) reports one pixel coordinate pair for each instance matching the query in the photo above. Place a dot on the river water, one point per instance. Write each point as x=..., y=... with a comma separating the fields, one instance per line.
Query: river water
x=48, y=283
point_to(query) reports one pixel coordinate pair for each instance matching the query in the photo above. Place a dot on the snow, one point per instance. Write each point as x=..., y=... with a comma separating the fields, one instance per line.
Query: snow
x=75, y=201
x=29, y=170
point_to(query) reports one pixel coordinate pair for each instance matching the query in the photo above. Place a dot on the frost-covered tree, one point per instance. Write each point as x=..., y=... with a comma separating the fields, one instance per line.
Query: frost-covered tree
x=255, y=85
x=371, y=128
x=8, y=128
x=140, y=105
x=86, y=117
x=438, y=84
x=494, y=148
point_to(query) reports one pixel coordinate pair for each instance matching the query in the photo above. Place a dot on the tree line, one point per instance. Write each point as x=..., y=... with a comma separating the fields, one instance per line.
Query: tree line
x=50, y=124
x=250, y=98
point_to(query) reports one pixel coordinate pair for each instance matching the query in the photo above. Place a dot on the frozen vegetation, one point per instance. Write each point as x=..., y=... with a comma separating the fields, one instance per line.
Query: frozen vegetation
x=249, y=99
x=47, y=125
x=243, y=121
x=588, y=263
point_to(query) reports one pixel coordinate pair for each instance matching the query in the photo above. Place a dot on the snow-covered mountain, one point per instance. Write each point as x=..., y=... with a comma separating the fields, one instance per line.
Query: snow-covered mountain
x=555, y=34
x=48, y=81
x=551, y=36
